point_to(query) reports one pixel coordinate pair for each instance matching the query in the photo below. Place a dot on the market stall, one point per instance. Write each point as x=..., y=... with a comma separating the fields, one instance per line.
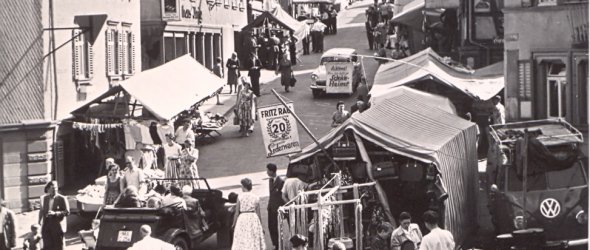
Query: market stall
x=133, y=118
x=420, y=157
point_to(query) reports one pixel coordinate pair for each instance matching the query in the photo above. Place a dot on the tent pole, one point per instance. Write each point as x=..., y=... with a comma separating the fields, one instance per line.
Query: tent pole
x=305, y=128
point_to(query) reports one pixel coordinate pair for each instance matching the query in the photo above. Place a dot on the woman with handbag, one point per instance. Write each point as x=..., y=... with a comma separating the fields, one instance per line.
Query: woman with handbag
x=287, y=77
x=245, y=108
x=233, y=72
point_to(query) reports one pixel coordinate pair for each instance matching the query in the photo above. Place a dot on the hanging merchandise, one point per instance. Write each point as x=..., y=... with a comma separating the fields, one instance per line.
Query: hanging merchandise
x=385, y=169
x=95, y=127
x=411, y=171
x=344, y=150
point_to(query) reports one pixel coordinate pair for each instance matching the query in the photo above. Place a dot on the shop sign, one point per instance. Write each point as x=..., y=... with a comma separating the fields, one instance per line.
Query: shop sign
x=37, y=157
x=37, y=180
x=191, y=12
x=170, y=10
x=339, y=77
x=279, y=130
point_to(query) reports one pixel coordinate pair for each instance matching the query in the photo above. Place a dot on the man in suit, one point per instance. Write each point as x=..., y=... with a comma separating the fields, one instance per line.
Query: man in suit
x=275, y=200
x=253, y=64
x=54, y=209
x=7, y=227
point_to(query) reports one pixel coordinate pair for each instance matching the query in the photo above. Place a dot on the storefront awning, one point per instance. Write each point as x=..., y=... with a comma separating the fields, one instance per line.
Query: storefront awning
x=282, y=18
x=412, y=14
x=165, y=91
x=427, y=64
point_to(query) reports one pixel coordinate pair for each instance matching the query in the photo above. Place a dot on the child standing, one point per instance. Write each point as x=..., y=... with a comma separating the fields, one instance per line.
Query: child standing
x=33, y=239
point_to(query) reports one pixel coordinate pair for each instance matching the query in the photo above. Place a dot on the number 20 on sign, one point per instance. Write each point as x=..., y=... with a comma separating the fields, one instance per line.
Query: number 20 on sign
x=279, y=130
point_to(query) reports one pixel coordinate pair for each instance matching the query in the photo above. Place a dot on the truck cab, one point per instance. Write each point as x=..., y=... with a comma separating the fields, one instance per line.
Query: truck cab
x=119, y=227
x=550, y=193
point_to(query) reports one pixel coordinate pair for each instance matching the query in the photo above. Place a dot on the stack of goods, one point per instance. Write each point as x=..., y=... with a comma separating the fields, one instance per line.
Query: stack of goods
x=213, y=120
x=91, y=198
x=154, y=173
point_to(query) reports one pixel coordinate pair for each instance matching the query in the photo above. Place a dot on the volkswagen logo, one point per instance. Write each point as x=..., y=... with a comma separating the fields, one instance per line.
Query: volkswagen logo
x=550, y=208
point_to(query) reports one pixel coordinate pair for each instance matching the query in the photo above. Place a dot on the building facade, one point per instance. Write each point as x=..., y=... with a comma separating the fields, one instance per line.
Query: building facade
x=204, y=28
x=57, y=55
x=546, y=66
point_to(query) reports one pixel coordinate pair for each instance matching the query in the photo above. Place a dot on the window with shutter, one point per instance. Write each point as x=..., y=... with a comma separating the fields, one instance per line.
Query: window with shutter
x=89, y=60
x=120, y=52
x=524, y=80
x=110, y=52
x=76, y=55
x=131, y=49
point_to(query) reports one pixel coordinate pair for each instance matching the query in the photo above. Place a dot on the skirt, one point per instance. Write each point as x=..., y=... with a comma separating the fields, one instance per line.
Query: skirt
x=248, y=233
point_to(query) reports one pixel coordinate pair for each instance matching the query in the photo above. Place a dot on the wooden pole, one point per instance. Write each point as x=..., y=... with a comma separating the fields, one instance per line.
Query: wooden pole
x=305, y=128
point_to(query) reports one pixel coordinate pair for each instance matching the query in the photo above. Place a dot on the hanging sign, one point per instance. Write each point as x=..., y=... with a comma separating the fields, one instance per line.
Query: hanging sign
x=339, y=77
x=279, y=130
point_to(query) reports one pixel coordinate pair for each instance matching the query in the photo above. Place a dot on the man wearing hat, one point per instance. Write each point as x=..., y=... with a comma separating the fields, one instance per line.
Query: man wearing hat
x=7, y=227
x=54, y=209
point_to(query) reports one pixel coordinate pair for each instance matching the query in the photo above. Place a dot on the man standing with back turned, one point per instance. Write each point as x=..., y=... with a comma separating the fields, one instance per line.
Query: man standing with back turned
x=275, y=200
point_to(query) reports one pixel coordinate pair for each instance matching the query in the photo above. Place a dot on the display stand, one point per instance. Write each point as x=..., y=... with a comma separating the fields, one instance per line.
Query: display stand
x=298, y=206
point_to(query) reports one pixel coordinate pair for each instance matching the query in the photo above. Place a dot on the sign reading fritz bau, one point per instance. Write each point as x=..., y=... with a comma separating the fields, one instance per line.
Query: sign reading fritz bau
x=339, y=77
x=279, y=130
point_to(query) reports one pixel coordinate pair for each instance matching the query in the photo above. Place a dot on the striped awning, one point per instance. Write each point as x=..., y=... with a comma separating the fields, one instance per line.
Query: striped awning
x=406, y=126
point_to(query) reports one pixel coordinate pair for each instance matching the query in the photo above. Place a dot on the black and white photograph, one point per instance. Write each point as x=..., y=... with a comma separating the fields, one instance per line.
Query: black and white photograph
x=294, y=124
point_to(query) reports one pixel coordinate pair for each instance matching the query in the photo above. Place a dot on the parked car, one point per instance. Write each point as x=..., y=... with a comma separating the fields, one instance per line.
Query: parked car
x=119, y=227
x=550, y=205
x=318, y=77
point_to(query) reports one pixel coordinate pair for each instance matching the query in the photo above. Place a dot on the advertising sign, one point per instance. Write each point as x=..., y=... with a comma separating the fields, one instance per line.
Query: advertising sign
x=279, y=130
x=170, y=10
x=339, y=77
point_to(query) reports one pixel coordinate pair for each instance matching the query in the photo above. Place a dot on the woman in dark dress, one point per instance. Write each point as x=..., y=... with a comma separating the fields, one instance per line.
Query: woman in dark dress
x=286, y=71
x=233, y=72
x=113, y=186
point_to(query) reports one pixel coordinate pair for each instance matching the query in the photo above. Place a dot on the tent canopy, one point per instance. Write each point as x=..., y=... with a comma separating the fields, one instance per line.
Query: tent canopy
x=412, y=128
x=165, y=91
x=278, y=15
x=433, y=100
x=412, y=14
x=427, y=64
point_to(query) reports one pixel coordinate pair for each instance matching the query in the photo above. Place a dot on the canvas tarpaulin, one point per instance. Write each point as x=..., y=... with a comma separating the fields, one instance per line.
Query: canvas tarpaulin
x=169, y=89
x=412, y=128
x=437, y=101
x=282, y=18
x=427, y=64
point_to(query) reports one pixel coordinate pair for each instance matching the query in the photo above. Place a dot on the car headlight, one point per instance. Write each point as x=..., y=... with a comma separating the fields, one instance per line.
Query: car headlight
x=518, y=222
x=314, y=77
x=582, y=217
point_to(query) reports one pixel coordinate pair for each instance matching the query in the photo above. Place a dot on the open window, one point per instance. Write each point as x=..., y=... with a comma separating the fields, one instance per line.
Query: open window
x=556, y=83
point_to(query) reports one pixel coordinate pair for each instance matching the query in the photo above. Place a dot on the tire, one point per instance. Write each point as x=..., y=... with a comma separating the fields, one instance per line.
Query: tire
x=316, y=93
x=180, y=243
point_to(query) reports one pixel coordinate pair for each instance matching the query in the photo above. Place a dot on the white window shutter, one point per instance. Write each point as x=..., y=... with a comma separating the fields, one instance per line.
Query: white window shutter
x=120, y=54
x=125, y=52
x=132, y=51
x=76, y=54
x=90, y=59
x=110, y=52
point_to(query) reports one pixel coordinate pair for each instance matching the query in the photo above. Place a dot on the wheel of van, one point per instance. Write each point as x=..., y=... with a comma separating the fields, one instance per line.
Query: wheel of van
x=180, y=243
x=316, y=93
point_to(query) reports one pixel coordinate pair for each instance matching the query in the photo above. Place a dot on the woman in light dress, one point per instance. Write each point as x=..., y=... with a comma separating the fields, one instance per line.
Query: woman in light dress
x=189, y=169
x=248, y=232
x=246, y=107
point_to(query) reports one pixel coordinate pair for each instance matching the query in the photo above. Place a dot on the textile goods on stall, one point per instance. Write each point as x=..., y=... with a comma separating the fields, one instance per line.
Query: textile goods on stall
x=100, y=128
x=416, y=130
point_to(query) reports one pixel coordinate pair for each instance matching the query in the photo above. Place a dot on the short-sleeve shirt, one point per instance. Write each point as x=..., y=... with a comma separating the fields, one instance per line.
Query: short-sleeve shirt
x=292, y=187
x=438, y=239
x=133, y=178
x=182, y=135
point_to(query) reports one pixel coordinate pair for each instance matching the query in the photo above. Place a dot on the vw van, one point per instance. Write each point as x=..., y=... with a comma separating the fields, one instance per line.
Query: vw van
x=319, y=75
x=539, y=182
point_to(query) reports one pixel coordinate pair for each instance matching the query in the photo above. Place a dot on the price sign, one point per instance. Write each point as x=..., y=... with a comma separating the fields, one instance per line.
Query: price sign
x=124, y=236
x=279, y=130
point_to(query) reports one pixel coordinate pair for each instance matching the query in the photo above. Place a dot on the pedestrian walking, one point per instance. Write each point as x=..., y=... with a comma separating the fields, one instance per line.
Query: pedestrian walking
x=254, y=66
x=189, y=169
x=286, y=72
x=369, y=30
x=172, y=152
x=113, y=185
x=407, y=231
x=438, y=238
x=248, y=232
x=233, y=72
x=340, y=115
x=317, y=33
x=275, y=51
x=325, y=18
x=275, y=200
x=306, y=40
x=7, y=227
x=245, y=108
x=52, y=217
x=293, y=48
x=333, y=21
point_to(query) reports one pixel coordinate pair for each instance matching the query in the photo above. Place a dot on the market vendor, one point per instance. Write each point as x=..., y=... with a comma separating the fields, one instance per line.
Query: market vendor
x=133, y=176
x=185, y=132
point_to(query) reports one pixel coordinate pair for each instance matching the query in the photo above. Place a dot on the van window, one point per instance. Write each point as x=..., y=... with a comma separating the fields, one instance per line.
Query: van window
x=334, y=59
x=569, y=177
